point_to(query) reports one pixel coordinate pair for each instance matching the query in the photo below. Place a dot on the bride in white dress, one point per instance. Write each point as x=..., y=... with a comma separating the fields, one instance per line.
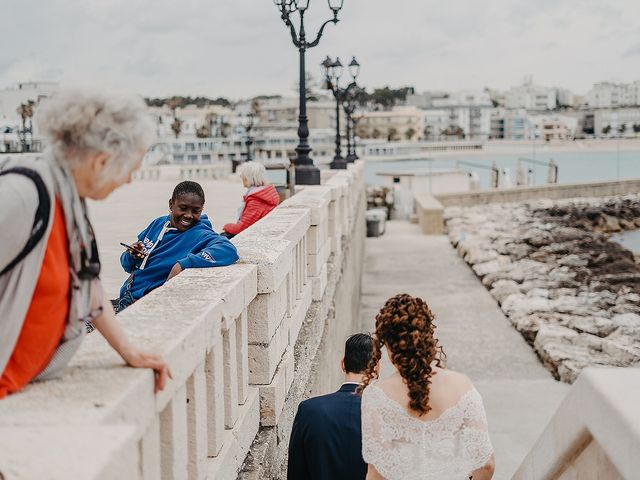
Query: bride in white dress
x=423, y=422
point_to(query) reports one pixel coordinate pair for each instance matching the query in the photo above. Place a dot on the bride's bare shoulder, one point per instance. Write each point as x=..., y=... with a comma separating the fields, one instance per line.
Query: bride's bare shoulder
x=456, y=381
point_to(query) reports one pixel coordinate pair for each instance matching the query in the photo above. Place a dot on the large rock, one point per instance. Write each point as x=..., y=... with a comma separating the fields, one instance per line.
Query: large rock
x=572, y=293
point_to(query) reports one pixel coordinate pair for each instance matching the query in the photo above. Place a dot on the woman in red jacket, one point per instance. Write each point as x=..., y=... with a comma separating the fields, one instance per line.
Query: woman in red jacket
x=259, y=200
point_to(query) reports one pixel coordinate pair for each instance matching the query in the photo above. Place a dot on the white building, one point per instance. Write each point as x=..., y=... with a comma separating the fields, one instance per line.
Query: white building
x=554, y=127
x=511, y=124
x=624, y=122
x=612, y=95
x=531, y=97
x=466, y=113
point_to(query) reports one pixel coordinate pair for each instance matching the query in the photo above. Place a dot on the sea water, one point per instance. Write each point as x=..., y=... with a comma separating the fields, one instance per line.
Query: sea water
x=576, y=166
x=629, y=240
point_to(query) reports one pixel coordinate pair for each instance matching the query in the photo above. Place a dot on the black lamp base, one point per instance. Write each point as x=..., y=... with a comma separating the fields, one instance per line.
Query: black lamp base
x=307, y=175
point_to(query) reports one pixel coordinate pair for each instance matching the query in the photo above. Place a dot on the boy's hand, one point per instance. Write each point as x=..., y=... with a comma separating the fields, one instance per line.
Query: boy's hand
x=139, y=250
x=174, y=271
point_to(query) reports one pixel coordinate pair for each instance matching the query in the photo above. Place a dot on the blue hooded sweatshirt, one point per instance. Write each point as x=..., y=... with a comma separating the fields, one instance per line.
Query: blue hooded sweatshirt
x=197, y=247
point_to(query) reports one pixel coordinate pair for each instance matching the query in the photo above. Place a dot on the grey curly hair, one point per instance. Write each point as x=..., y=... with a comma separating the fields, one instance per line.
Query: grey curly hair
x=77, y=122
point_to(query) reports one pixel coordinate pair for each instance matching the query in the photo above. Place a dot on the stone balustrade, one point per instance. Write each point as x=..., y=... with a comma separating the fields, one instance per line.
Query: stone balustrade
x=245, y=344
x=594, y=434
x=213, y=171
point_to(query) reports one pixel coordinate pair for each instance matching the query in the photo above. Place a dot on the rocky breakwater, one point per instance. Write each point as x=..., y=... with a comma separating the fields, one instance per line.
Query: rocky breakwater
x=572, y=293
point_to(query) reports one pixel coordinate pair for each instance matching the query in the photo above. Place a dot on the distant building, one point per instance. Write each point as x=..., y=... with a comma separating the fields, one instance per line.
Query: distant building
x=623, y=122
x=511, y=125
x=399, y=123
x=612, y=95
x=554, y=127
x=531, y=97
x=282, y=113
x=463, y=114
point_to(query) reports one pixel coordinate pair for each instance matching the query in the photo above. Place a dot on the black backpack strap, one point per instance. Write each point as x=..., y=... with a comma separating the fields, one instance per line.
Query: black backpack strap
x=41, y=219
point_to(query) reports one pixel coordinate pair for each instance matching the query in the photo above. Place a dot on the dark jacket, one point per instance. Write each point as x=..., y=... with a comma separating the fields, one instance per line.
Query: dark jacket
x=326, y=440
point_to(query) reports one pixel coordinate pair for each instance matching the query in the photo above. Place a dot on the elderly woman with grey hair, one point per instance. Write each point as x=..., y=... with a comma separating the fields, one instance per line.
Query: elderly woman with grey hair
x=259, y=200
x=49, y=266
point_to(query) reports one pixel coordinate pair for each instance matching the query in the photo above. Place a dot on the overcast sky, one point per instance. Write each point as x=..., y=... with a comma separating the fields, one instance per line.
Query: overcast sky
x=241, y=48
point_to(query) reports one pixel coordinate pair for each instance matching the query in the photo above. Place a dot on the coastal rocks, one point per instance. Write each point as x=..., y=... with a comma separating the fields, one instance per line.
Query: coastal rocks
x=573, y=294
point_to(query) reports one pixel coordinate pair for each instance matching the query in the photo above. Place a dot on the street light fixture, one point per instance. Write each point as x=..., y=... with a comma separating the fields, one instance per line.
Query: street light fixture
x=333, y=72
x=306, y=172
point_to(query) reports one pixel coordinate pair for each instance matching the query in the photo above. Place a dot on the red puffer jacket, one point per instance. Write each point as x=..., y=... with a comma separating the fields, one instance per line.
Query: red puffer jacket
x=257, y=204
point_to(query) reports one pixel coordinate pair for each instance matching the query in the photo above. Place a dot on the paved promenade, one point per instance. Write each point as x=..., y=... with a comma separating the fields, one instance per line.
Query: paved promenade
x=128, y=211
x=520, y=395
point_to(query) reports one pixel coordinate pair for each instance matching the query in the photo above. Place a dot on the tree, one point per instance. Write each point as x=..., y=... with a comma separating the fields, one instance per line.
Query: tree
x=376, y=133
x=622, y=128
x=176, y=126
x=606, y=129
x=225, y=129
x=25, y=110
x=210, y=120
x=410, y=133
x=311, y=85
x=636, y=128
x=392, y=134
x=203, y=131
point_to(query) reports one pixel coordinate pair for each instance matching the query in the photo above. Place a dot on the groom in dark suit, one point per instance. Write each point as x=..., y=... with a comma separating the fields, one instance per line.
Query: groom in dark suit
x=326, y=440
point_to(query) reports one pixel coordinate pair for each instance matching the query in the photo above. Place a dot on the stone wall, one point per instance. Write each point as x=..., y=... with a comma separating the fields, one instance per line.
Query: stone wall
x=519, y=194
x=245, y=344
x=594, y=434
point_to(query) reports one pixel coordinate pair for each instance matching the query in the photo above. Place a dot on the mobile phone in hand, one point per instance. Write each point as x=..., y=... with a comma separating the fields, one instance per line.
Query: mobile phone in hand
x=135, y=251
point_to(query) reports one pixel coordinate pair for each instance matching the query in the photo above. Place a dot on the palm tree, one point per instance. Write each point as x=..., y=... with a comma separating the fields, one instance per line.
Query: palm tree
x=176, y=126
x=409, y=133
x=210, y=120
x=25, y=110
x=392, y=134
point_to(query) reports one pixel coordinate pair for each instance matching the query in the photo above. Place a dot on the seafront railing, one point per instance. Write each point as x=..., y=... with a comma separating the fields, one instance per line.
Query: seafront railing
x=229, y=336
x=215, y=170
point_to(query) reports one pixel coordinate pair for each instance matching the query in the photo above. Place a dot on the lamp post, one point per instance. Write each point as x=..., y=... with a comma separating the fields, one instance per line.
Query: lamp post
x=332, y=73
x=249, y=140
x=306, y=172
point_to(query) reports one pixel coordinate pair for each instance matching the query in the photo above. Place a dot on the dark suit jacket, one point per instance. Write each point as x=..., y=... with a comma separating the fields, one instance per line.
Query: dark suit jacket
x=326, y=440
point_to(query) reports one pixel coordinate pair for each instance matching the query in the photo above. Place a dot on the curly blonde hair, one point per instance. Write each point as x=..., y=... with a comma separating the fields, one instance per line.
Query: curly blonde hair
x=77, y=122
x=405, y=326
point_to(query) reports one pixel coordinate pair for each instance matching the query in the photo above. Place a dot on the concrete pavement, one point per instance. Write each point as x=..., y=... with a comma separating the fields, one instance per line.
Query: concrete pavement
x=520, y=395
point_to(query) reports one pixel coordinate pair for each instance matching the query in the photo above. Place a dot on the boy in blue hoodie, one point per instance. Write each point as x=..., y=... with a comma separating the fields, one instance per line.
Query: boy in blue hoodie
x=182, y=239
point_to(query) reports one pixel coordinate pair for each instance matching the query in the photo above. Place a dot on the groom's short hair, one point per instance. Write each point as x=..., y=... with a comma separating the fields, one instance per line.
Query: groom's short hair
x=358, y=350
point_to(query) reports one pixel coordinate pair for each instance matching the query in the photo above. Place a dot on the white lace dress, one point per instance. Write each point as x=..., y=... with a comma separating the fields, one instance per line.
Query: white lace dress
x=404, y=447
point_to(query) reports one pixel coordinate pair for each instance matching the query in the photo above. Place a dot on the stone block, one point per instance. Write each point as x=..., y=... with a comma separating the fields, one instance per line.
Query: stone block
x=237, y=441
x=242, y=353
x=197, y=422
x=282, y=223
x=317, y=203
x=214, y=373
x=273, y=258
x=319, y=283
x=317, y=236
x=315, y=262
x=52, y=453
x=272, y=396
x=265, y=357
x=173, y=437
x=230, y=368
x=229, y=284
x=150, y=451
x=296, y=319
x=266, y=312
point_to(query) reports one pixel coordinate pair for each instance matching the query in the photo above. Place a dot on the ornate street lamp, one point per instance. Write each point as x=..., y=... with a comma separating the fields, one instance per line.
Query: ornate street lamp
x=332, y=73
x=306, y=172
